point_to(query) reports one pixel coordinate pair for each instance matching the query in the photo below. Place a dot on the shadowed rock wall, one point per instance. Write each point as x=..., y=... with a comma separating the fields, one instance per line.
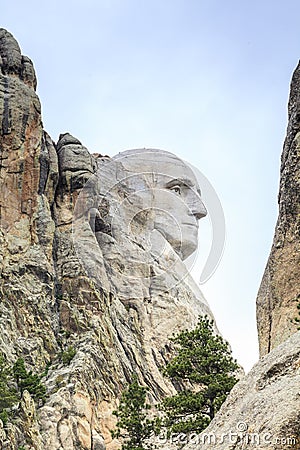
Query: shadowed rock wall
x=279, y=293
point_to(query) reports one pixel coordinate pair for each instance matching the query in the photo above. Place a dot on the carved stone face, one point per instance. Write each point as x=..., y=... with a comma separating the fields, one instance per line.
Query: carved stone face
x=166, y=187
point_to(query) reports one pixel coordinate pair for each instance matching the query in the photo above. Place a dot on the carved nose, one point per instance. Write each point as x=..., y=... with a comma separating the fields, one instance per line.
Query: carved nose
x=198, y=209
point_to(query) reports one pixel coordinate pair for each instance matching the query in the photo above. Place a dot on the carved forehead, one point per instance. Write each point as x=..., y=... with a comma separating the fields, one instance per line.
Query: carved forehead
x=162, y=164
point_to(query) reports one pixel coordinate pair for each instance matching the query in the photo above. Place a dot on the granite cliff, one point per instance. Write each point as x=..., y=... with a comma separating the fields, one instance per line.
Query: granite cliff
x=279, y=294
x=50, y=303
x=83, y=285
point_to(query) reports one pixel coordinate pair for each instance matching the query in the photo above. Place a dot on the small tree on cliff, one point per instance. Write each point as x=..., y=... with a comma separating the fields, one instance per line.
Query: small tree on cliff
x=8, y=394
x=203, y=361
x=28, y=381
x=134, y=424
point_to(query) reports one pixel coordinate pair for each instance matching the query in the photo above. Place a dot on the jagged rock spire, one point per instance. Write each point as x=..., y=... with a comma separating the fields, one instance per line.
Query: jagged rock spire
x=12, y=62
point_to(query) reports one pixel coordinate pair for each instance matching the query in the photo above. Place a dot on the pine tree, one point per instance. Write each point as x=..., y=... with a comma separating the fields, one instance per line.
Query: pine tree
x=133, y=422
x=19, y=370
x=28, y=381
x=204, y=362
x=8, y=394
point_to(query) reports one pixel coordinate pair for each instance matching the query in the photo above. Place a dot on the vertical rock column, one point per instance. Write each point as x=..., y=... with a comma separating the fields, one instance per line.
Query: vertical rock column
x=279, y=293
x=28, y=178
x=20, y=143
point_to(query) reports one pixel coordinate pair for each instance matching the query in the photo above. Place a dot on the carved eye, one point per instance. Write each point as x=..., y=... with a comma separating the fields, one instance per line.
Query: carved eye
x=176, y=189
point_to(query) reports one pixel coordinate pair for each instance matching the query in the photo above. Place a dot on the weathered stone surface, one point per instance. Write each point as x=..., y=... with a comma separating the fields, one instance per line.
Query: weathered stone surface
x=263, y=409
x=12, y=62
x=51, y=301
x=279, y=293
x=73, y=276
x=30, y=428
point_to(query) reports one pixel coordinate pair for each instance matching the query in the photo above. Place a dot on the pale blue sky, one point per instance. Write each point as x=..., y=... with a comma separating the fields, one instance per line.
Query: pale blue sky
x=207, y=80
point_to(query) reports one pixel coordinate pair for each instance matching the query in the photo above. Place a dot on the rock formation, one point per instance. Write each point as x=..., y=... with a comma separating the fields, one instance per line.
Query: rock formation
x=63, y=287
x=73, y=278
x=279, y=294
x=263, y=409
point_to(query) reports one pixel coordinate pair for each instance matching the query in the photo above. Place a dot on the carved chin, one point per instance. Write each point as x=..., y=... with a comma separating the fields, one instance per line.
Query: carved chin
x=185, y=244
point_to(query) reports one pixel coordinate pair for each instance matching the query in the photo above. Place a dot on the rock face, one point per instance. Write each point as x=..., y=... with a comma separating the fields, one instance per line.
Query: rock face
x=50, y=302
x=74, y=279
x=263, y=410
x=279, y=293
